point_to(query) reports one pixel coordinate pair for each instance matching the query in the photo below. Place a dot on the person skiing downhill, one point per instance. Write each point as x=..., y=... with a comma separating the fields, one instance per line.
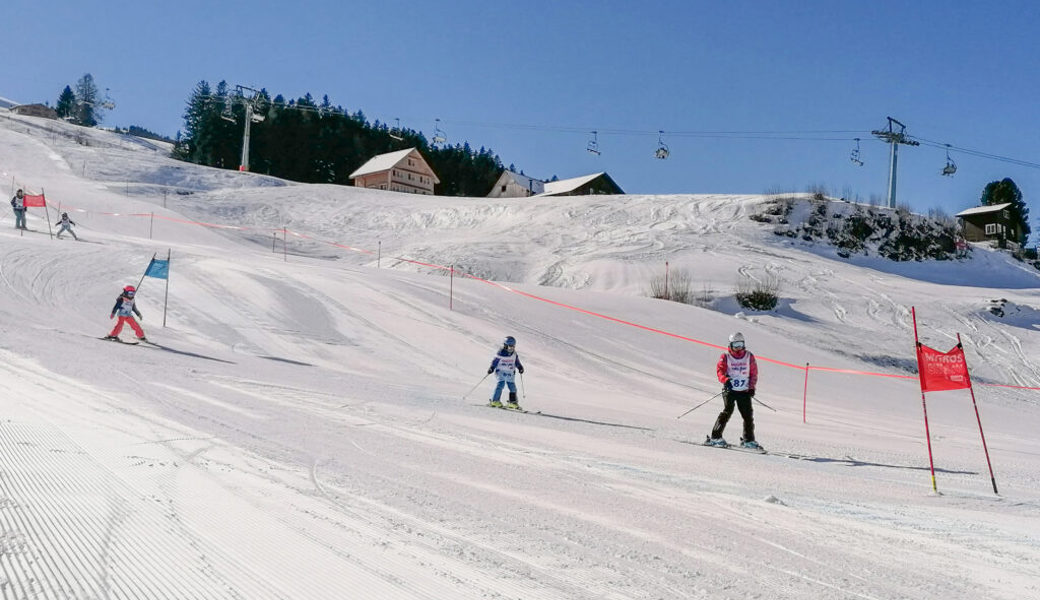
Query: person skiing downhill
x=125, y=309
x=66, y=225
x=505, y=364
x=737, y=371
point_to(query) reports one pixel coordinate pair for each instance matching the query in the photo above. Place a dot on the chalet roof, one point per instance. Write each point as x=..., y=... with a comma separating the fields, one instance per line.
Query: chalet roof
x=980, y=210
x=567, y=185
x=385, y=162
x=530, y=183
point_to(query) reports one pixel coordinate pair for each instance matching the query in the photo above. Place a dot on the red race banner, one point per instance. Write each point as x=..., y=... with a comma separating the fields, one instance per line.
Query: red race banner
x=33, y=201
x=941, y=371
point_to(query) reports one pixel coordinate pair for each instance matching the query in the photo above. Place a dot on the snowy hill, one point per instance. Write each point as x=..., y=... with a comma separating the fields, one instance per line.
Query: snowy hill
x=302, y=431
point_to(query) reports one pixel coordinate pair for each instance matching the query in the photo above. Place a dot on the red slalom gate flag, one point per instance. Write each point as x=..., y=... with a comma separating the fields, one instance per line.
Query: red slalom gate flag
x=34, y=201
x=941, y=371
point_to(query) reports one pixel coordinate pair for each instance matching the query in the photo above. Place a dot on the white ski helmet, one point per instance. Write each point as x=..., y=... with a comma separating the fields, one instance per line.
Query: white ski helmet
x=736, y=341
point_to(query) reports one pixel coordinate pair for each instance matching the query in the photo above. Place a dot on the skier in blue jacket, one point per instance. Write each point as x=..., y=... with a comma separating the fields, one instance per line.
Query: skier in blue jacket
x=505, y=365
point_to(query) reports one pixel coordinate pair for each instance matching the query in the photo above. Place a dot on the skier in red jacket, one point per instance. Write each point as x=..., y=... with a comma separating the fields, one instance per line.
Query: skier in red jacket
x=738, y=373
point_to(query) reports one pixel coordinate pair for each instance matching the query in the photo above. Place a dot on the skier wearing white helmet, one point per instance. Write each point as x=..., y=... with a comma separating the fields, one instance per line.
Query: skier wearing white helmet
x=738, y=373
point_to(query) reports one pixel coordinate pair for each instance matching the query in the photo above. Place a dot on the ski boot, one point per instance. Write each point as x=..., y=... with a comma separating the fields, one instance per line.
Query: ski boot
x=494, y=404
x=111, y=337
x=512, y=403
x=751, y=445
x=710, y=441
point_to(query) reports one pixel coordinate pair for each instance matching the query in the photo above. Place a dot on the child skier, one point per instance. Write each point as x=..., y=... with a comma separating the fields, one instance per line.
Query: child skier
x=66, y=225
x=738, y=373
x=125, y=309
x=505, y=364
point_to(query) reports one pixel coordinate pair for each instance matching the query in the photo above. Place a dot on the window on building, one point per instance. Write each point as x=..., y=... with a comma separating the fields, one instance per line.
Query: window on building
x=991, y=229
x=503, y=189
x=1006, y=214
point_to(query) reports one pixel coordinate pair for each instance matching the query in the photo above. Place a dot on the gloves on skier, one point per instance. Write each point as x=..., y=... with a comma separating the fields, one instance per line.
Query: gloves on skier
x=751, y=393
x=490, y=370
x=727, y=386
x=521, y=369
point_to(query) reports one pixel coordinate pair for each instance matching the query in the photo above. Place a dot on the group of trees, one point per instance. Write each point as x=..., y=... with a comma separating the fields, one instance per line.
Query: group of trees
x=313, y=142
x=1005, y=191
x=83, y=106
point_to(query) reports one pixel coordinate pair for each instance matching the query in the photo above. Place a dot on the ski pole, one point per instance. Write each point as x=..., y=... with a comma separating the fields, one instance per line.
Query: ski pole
x=523, y=393
x=763, y=404
x=476, y=386
x=700, y=405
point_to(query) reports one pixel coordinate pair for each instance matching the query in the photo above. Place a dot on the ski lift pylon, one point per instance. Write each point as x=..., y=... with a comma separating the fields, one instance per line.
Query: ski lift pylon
x=662, y=151
x=951, y=167
x=593, y=145
x=854, y=155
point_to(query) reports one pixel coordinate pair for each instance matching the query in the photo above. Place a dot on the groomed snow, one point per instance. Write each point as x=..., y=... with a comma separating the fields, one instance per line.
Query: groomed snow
x=303, y=432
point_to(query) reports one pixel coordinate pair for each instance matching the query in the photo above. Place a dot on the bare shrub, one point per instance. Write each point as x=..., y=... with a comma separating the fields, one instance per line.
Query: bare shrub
x=675, y=286
x=818, y=191
x=705, y=297
x=761, y=294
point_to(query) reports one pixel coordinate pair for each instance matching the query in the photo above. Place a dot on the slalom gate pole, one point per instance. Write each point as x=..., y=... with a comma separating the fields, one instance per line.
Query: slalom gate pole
x=476, y=386
x=924, y=405
x=701, y=404
x=992, y=479
x=805, y=391
x=166, y=298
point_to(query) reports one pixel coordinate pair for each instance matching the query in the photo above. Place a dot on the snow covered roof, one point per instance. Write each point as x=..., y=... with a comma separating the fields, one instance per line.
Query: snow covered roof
x=567, y=185
x=979, y=210
x=384, y=162
x=535, y=185
x=7, y=103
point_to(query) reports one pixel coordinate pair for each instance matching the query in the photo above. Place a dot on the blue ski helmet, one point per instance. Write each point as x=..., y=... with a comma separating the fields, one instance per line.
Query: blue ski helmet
x=510, y=341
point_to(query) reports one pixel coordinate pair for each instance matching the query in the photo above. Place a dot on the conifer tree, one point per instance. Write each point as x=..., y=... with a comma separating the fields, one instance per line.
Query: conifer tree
x=66, y=106
x=88, y=110
x=1005, y=191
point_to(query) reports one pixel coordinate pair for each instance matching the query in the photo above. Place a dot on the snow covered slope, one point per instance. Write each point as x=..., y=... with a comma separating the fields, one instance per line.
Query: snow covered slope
x=302, y=431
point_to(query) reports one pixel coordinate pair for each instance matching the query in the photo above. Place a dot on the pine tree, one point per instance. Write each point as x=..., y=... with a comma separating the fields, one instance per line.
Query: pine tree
x=88, y=110
x=66, y=106
x=1005, y=191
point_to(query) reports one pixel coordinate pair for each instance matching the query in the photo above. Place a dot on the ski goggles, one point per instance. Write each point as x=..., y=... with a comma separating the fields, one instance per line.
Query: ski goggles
x=737, y=345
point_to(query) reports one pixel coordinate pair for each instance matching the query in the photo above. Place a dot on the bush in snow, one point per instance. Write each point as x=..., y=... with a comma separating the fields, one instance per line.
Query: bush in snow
x=761, y=294
x=675, y=286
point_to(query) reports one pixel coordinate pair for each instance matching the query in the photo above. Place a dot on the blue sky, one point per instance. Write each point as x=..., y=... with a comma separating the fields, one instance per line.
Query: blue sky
x=531, y=79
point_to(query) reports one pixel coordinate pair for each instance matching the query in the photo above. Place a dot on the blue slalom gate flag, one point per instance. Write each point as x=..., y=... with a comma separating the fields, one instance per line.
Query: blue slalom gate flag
x=160, y=269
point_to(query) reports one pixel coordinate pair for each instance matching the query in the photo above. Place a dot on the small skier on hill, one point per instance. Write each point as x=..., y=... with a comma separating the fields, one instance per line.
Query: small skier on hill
x=505, y=364
x=125, y=309
x=738, y=373
x=66, y=225
x=18, y=205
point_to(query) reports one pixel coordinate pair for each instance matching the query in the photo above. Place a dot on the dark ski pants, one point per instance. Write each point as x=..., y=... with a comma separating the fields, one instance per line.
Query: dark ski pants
x=743, y=402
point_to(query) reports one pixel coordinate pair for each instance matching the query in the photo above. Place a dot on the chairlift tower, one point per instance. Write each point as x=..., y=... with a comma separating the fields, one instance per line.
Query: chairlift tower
x=251, y=118
x=894, y=138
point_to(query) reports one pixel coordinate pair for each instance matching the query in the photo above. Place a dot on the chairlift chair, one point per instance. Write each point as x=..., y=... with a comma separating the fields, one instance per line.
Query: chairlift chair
x=951, y=167
x=395, y=133
x=593, y=145
x=662, y=151
x=854, y=156
x=439, y=137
